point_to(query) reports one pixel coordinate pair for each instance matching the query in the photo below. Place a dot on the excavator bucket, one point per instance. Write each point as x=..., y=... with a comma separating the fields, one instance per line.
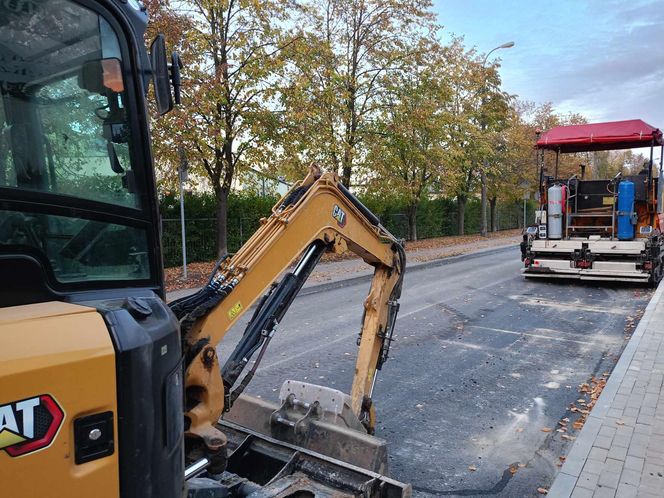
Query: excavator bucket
x=311, y=444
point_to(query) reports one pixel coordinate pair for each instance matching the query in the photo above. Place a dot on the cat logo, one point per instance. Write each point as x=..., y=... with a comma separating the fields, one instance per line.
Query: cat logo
x=29, y=425
x=339, y=215
x=19, y=6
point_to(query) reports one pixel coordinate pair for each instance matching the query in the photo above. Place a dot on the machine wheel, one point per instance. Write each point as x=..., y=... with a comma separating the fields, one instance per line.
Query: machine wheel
x=656, y=276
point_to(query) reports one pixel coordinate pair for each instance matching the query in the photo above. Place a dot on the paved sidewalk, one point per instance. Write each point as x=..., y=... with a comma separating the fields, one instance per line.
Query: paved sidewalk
x=620, y=450
x=332, y=272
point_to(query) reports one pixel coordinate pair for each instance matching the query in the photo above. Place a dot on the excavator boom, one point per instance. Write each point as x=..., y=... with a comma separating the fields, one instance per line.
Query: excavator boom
x=317, y=215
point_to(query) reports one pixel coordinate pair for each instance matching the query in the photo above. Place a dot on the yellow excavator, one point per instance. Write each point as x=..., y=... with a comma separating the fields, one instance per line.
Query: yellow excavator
x=105, y=389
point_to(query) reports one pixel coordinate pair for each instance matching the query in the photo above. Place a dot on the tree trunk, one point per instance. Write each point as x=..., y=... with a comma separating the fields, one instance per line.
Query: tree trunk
x=221, y=196
x=492, y=208
x=461, y=210
x=483, y=203
x=412, y=222
x=345, y=175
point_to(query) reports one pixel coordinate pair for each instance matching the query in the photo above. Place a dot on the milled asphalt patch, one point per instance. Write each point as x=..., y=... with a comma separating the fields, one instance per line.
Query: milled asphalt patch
x=565, y=482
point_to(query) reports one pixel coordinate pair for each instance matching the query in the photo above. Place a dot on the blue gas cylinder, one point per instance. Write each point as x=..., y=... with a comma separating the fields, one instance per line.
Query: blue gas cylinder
x=625, y=210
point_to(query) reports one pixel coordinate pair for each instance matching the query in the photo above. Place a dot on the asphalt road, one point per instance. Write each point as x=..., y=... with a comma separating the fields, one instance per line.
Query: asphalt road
x=482, y=362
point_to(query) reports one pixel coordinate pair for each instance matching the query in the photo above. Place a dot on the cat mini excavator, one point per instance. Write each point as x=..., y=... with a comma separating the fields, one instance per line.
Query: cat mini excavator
x=106, y=390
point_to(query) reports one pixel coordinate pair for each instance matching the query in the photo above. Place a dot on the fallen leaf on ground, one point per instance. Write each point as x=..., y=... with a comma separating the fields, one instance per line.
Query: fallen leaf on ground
x=562, y=458
x=472, y=468
x=620, y=422
x=542, y=491
x=568, y=437
x=513, y=470
x=545, y=429
x=522, y=465
x=519, y=429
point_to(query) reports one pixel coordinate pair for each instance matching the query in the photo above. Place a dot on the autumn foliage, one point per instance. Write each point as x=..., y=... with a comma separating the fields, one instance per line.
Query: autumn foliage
x=368, y=88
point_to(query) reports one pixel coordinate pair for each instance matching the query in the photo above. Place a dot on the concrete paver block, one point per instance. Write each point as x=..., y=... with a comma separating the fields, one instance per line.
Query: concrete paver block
x=630, y=476
x=592, y=466
x=603, y=442
x=562, y=487
x=582, y=493
x=627, y=491
x=617, y=452
x=604, y=492
x=601, y=454
x=637, y=449
x=609, y=431
x=587, y=480
x=621, y=441
x=634, y=463
x=643, y=429
x=609, y=479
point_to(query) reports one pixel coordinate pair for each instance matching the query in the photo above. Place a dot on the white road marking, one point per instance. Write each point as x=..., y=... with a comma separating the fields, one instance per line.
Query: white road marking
x=324, y=345
x=417, y=310
x=399, y=317
x=575, y=307
x=536, y=336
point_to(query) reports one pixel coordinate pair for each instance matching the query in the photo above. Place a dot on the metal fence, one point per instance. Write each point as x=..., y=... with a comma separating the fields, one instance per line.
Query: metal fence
x=201, y=232
x=201, y=237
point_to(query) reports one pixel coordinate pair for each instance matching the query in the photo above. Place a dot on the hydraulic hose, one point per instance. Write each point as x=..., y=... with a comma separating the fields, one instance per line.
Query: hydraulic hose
x=270, y=312
x=373, y=219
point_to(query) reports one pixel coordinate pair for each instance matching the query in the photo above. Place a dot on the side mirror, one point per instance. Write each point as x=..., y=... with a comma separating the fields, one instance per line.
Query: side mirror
x=176, y=65
x=160, y=75
x=99, y=76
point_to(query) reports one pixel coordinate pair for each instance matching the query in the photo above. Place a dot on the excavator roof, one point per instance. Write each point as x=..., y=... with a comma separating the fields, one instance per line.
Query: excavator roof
x=613, y=135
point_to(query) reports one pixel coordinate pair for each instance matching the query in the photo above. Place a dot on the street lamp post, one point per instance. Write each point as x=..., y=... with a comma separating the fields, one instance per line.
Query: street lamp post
x=485, y=164
x=182, y=176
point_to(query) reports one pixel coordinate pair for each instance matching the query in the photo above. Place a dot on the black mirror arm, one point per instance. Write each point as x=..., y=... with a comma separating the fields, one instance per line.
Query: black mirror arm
x=175, y=66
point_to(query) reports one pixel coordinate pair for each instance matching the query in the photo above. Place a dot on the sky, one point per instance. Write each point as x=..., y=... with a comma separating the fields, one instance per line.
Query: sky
x=601, y=58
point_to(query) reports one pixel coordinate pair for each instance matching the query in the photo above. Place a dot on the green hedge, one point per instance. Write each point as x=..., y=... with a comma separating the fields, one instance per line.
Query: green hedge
x=435, y=218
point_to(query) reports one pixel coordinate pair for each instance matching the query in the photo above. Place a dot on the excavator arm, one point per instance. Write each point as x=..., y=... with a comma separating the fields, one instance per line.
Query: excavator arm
x=317, y=215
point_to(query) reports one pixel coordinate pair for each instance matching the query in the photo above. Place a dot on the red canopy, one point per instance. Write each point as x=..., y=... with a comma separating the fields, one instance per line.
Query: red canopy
x=600, y=136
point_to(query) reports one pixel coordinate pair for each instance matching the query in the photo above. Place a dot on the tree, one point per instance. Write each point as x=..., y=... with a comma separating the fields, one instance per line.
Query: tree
x=478, y=111
x=544, y=117
x=346, y=49
x=493, y=120
x=514, y=159
x=406, y=157
x=233, y=52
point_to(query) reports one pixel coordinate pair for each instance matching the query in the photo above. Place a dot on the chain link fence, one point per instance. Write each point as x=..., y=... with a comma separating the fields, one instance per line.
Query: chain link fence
x=438, y=222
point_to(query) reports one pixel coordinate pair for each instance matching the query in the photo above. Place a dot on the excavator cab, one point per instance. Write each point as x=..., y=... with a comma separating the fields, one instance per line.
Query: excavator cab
x=77, y=185
x=106, y=390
